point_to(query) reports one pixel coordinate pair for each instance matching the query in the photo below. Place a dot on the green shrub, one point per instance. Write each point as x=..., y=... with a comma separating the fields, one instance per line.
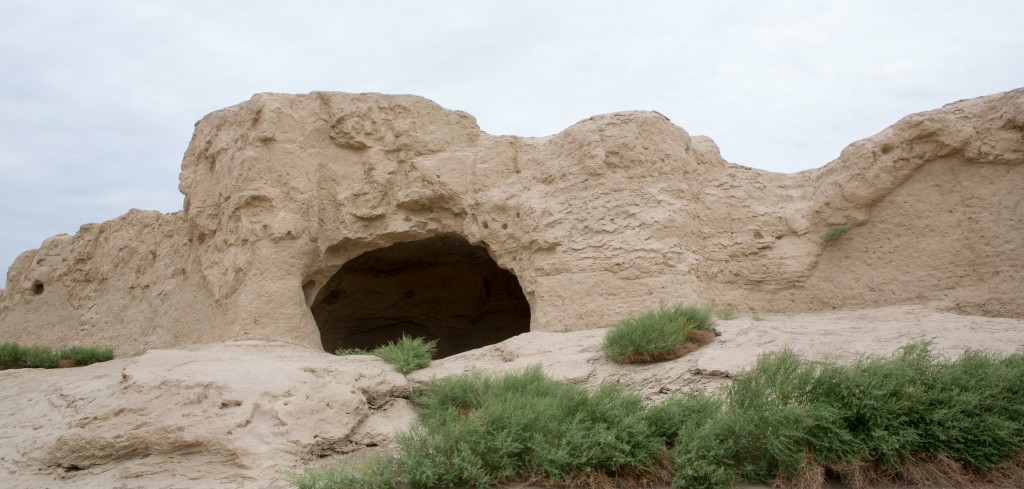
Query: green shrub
x=38, y=357
x=85, y=355
x=685, y=413
x=786, y=419
x=10, y=354
x=787, y=414
x=351, y=351
x=835, y=233
x=406, y=354
x=15, y=355
x=655, y=335
x=374, y=473
x=480, y=431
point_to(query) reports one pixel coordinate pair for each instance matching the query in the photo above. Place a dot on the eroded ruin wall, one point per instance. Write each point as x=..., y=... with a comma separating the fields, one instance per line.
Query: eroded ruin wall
x=607, y=218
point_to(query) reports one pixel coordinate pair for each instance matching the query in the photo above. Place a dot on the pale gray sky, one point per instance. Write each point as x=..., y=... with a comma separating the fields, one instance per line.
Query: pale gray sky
x=98, y=98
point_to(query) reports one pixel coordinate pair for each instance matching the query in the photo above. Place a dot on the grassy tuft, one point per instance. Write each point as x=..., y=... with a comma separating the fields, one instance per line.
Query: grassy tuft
x=85, y=355
x=727, y=314
x=406, y=354
x=479, y=431
x=660, y=334
x=835, y=233
x=352, y=351
x=374, y=473
x=15, y=355
x=907, y=417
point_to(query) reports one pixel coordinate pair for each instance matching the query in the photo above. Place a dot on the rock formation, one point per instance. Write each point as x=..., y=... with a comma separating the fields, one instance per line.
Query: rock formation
x=295, y=204
x=335, y=220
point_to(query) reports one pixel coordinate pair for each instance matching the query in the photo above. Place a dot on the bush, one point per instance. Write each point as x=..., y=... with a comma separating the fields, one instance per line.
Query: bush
x=85, y=355
x=10, y=354
x=15, y=355
x=835, y=233
x=406, y=355
x=787, y=417
x=480, y=431
x=658, y=335
x=912, y=417
x=375, y=473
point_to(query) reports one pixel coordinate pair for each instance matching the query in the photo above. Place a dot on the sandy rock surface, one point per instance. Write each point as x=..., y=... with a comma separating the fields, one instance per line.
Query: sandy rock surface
x=238, y=414
x=602, y=220
x=241, y=414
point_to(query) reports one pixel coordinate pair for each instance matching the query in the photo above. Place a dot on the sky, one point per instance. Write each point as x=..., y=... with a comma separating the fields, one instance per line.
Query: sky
x=98, y=98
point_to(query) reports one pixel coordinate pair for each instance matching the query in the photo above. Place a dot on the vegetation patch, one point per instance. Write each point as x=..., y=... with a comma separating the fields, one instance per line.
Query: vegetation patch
x=13, y=355
x=406, y=354
x=662, y=334
x=727, y=314
x=835, y=233
x=913, y=419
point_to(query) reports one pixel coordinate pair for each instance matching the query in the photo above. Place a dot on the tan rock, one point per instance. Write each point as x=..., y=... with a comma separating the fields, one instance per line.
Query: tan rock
x=211, y=416
x=606, y=218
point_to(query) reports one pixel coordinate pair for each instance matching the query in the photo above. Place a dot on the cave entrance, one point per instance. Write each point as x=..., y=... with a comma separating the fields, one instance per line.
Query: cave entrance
x=439, y=288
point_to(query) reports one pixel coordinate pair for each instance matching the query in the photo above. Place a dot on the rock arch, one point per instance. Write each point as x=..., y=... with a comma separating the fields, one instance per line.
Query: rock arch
x=439, y=288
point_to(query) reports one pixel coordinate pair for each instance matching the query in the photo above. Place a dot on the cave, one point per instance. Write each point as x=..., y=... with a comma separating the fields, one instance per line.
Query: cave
x=441, y=288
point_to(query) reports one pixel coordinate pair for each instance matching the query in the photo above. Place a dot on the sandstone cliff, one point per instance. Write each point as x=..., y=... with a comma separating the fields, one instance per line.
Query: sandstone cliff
x=606, y=218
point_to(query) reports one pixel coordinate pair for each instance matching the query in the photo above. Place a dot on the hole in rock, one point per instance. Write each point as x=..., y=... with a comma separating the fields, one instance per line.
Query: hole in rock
x=38, y=287
x=439, y=288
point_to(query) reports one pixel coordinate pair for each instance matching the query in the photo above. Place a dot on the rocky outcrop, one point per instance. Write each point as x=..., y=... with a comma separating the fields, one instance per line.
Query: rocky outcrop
x=214, y=416
x=606, y=218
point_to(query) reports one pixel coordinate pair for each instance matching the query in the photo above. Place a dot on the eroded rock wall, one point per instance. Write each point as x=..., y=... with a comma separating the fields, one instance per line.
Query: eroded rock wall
x=606, y=218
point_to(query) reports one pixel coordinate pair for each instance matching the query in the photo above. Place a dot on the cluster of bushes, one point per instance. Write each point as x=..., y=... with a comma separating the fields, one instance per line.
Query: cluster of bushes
x=662, y=334
x=406, y=354
x=913, y=417
x=15, y=355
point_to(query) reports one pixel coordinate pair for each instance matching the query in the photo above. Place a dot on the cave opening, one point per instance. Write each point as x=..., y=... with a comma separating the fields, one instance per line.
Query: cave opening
x=441, y=288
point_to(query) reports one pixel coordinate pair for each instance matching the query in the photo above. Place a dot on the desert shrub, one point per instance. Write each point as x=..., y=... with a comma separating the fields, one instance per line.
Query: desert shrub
x=352, y=351
x=835, y=233
x=685, y=413
x=406, y=354
x=374, y=473
x=15, y=355
x=10, y=354
x=883, y=417
x=727, y=314
x=912, y=417
x=478, y=431
x=657, y=334
x=85, y=355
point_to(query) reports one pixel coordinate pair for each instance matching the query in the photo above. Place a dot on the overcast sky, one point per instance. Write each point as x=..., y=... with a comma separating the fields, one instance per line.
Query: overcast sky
x=98, y=98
